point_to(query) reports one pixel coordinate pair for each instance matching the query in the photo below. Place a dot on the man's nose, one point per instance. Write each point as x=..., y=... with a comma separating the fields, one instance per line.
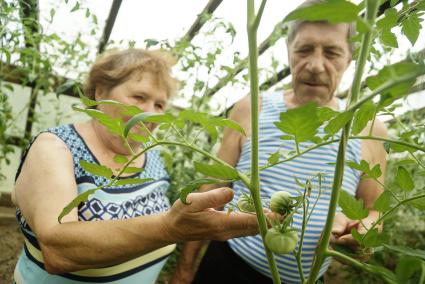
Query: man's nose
x=316, y=63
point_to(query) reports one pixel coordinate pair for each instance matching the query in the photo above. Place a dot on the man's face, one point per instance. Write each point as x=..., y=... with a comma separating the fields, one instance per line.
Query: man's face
x=318, y=56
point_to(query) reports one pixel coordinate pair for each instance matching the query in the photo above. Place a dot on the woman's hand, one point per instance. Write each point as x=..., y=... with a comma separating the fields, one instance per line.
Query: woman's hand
x=199, y=221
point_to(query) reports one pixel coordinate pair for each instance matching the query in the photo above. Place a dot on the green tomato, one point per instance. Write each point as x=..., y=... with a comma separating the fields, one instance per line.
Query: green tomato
x=280, y=202
x=246, y=204
x=281, y=243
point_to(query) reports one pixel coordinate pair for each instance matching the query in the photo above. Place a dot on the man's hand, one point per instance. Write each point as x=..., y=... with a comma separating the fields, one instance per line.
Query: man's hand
x=341, y=230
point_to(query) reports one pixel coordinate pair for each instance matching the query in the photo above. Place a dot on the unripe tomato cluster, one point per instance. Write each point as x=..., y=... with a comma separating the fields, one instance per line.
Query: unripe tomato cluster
x=281, y=242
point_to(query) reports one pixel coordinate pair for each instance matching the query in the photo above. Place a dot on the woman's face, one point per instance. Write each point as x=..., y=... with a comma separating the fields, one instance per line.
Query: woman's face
x=141, y=90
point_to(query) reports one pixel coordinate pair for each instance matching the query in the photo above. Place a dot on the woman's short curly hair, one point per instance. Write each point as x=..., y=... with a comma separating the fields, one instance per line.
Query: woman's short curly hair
x=114, y=67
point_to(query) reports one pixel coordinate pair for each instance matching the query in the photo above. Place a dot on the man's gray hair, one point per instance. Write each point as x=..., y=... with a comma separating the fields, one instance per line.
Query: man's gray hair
x=294, y=25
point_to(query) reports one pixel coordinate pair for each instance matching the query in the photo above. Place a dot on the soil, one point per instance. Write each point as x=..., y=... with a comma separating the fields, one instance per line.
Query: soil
x=11, y=242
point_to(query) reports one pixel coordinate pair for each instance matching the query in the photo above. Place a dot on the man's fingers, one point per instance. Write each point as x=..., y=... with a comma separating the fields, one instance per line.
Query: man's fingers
x=347, y=240
x=211, y=199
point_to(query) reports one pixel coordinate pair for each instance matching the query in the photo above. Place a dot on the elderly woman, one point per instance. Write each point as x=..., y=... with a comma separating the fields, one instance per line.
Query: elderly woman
x=135, y=229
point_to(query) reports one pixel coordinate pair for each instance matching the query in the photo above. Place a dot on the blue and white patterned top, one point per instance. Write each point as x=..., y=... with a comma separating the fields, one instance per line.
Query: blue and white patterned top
x=282, y=177
x=127, y=201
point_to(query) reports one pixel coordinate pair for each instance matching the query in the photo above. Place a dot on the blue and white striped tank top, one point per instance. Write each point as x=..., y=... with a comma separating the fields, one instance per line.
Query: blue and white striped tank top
x=282, y=177
x=122, y=202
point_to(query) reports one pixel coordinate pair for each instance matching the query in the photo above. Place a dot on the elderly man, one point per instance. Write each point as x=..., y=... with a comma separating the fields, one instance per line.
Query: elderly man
x=319, y=53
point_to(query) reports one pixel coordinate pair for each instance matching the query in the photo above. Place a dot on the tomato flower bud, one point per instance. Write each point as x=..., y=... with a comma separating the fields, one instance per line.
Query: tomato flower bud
x=281, y=243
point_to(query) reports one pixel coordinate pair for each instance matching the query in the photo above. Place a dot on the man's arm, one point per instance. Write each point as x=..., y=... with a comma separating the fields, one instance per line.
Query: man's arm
x=47, y=184
x=229, y=151
x=368, y=189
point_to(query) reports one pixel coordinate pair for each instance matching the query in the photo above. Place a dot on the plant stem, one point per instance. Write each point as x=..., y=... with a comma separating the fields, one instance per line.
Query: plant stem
x=413, y=146
x=358, y=264
x=391, y=210
x=372, y=7
x=252, y=25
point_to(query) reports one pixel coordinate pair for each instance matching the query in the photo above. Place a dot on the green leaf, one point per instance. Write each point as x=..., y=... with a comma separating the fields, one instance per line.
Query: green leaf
x=406, y=267
x=151, y=42
x=217, y=171
x=133, y=170
x=332, y=11
x=407, y=251
x=389, y=73
x=120, y=159
x=225, y=122
x=356, y=235
x=76, y=202
x=388, y=38
x=326, y=113
x=274, y=158
x=141, y=117
x=351, y=207
x=389, y=21
x=383, y=203
x=373, y=173
x=363, y=115
x=127, y=181
x=76, y=7
x=114, y=125
x=374, y=239
x=301, y=122
x=96, y=169
x=338, y=122
x=411, y=27
x=138, y=138
x=404, y=180
x=418, y=203
x=194, y=185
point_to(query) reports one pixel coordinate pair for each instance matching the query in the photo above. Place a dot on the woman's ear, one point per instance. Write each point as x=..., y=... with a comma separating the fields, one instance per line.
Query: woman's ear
x=99, y=93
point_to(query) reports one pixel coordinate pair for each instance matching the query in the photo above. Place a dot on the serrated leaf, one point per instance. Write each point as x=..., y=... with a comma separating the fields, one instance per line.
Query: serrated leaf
x=225, y=122
x=326, y=113
x=356, y=235
x=411, y=27
x=217, y=171
x=374, y=239
x=388, y=38
x=76, y=202
x=338, y=122
x=418, y=203
x=352, y=207
x=114, y=125
x=363, y=115
x=120, y=159
x=274, y=158
x=127, y=181
x=404, y=180
x=331, y=11
x=407, y=251
x=141, y=117
x=138, y=138
x=96, y=169
x=374, y=172
x=301, y=122
x=133, y=170
x=76, y=7
x=383, y=203
x=406, y=267
x=389, y=20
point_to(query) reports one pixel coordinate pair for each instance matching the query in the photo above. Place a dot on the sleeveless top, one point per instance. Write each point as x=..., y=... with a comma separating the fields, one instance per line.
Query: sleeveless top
x=127, y=201
x=282, y=177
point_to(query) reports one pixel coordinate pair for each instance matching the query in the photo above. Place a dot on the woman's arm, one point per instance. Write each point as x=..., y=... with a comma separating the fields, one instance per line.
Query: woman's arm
x=46, y=185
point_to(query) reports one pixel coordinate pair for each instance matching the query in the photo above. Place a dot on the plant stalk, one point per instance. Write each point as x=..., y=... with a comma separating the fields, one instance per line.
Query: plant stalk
x=252, y=25
x=371, y=10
